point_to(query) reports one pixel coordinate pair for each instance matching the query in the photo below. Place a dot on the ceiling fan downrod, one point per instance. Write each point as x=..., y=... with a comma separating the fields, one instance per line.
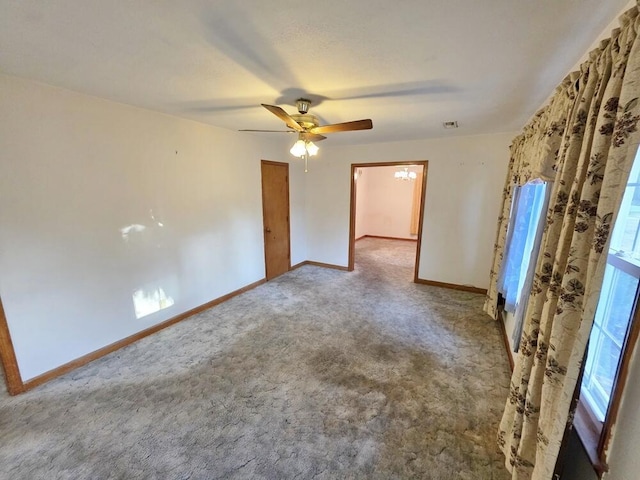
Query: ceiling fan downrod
x=303, y=104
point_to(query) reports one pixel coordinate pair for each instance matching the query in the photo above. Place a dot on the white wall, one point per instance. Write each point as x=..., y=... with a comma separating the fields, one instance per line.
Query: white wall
x=74, y=171
x=297, y=199
x=464, y=190
x=383, y=203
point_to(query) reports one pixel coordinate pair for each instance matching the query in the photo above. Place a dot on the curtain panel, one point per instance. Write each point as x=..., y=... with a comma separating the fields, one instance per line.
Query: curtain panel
x=584, y=141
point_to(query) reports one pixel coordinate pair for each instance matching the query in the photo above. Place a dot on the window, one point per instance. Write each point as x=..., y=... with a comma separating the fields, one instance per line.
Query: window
x=523, y=240
x=610, y=339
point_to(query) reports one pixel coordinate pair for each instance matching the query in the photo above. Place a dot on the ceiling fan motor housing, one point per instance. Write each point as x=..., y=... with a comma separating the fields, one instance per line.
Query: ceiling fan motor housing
x=308, y=120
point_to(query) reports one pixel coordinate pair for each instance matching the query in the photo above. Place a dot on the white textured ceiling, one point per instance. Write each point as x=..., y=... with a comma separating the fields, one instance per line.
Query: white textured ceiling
x=409, y=65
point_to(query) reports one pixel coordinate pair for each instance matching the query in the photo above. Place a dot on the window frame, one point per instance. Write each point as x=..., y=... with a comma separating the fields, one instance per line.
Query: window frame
x=595, y=435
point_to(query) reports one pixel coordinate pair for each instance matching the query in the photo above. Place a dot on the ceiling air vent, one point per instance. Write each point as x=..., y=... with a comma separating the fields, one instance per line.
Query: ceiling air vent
x=450, y=124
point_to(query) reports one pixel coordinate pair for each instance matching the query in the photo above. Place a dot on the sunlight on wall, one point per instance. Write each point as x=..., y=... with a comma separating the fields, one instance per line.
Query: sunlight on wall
x=150, y=301
x=150, y=298
x=129, y=229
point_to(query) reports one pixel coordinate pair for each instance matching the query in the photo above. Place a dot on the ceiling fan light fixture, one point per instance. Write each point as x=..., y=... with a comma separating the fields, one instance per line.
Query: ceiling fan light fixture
x=298, y=149
x=312, y=148
x=405, y=174
x=304, y=149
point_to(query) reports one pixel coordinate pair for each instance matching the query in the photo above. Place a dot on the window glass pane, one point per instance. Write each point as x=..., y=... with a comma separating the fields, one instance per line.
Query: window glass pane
x=592, y=386
x=607, y=337
x=623, y=292
x=627, y=243
x=625, y=240
x=588, y=368
x=605, y=371
x=524, y=222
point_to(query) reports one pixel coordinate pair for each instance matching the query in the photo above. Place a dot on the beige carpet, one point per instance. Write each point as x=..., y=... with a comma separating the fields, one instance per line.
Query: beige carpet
x=317, y=374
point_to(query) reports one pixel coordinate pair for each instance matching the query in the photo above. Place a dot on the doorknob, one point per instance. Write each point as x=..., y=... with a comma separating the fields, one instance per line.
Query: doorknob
x=268, y=230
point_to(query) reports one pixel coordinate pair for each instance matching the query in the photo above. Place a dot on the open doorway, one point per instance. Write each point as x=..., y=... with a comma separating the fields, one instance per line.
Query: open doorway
x=395, y=193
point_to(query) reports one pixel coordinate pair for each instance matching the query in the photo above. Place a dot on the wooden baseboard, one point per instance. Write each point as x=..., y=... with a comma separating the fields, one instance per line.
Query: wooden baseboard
x=387, y=238
x=320, y=264
x=78, y=362
x=452, y=286
x=507, y=347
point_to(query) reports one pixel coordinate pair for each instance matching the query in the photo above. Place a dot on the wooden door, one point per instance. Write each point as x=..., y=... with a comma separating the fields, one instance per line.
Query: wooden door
x=275, y=213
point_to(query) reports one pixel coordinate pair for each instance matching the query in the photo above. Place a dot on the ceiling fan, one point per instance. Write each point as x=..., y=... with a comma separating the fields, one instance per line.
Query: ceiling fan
x=307, y=124
x=308, y=128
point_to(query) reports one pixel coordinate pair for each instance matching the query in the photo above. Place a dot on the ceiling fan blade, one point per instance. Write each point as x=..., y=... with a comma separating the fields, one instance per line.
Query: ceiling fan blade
x=284, y=116
x=313, y=137
x=271, y=131
x=344, y=127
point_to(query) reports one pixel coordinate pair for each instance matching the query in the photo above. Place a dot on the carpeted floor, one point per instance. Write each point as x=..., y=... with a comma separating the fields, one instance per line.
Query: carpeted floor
x=317, y=374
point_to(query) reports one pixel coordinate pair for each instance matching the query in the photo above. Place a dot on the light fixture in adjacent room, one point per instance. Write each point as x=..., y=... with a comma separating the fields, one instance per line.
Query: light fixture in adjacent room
x=405, y=174
x=304, y=149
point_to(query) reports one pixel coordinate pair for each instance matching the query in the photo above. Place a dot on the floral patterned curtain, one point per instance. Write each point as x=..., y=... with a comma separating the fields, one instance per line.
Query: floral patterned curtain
x=584, y=141
x=534, y=154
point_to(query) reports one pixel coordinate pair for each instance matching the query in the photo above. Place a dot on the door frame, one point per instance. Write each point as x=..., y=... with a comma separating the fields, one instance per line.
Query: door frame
x=352, y=213
x=277, y=164
x=8, y=358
